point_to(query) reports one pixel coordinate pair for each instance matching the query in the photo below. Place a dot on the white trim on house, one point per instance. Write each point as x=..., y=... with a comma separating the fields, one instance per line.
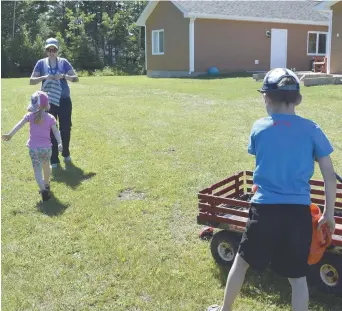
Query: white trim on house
x=329, y=41
x=256, y=19
x=317, y=42
x=325, y=5
x=158, y=31
x=146, y=13
x=145, y=49
x=150, y=7
x=179, y=7
x=191, y=45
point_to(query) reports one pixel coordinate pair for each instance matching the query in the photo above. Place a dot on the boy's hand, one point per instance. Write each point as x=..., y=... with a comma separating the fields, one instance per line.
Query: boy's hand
x=60, y=147
x=6, y=137
x=329, y=220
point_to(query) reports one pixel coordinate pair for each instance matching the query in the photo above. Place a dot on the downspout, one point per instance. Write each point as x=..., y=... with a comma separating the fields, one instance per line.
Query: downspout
x=191, y=45
x=145, y=51
x=329, y=40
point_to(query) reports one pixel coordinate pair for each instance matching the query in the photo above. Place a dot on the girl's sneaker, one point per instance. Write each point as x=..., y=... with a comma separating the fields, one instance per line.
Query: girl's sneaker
x=45, y=194
x=47, y=187
x=214, y=308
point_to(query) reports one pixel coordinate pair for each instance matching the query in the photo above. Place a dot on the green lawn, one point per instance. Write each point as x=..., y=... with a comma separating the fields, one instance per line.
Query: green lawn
x=121, y=232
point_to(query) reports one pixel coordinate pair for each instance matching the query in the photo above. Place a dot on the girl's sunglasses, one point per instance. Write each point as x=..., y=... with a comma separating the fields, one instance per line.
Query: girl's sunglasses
x=51, y=50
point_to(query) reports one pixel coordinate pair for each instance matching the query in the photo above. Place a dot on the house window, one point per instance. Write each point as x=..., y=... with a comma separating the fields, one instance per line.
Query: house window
x=158, y=42
x=317, y=43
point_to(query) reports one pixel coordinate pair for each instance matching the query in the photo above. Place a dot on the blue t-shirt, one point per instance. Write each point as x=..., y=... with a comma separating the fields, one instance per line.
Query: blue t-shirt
x=63, y=66
x=285, y=147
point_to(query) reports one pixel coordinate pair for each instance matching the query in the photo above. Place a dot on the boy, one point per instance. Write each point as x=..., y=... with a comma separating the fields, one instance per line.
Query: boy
x=279, y=230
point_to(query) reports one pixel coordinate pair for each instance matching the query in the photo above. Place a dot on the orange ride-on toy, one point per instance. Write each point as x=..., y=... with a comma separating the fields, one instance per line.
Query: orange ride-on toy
x=225, y=206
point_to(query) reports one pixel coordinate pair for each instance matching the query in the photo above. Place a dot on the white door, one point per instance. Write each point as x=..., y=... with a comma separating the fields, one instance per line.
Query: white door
x=278, y=48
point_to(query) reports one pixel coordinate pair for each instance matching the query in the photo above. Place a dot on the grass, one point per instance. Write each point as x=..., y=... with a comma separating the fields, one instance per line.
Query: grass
x=121, y=233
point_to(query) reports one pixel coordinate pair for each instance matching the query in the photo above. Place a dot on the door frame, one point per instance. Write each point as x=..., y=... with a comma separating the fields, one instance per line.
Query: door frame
x=273, y=31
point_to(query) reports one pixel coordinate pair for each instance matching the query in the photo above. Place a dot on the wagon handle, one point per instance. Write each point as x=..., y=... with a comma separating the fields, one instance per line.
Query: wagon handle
x=339, y=178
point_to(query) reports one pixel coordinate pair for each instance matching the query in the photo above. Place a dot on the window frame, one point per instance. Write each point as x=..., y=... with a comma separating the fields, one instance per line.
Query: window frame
x=317, y=33
x=158, y=31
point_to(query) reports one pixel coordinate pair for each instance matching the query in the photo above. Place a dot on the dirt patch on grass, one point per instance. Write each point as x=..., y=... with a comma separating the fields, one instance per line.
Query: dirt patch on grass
x=130, y=194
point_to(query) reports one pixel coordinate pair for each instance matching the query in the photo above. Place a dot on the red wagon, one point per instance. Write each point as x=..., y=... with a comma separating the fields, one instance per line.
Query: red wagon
x=225, y=205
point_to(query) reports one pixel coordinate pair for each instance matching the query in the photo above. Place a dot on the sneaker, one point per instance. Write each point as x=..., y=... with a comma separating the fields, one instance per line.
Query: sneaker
x=54, y=165
x=47, y=187
x=45, y=195
x=67, y=159
x=214, y=308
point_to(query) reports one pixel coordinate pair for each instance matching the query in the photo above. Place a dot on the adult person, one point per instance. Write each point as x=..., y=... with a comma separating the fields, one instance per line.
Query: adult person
x=54, y=72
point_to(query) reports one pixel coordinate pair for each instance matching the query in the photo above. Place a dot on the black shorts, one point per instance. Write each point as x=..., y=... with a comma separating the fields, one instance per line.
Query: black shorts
x=278, y=236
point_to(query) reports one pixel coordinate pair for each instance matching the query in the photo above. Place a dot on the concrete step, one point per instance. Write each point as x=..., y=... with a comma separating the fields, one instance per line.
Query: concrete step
x=259, y=76
x=313, y=75
x=301, y=75
x=321, y=81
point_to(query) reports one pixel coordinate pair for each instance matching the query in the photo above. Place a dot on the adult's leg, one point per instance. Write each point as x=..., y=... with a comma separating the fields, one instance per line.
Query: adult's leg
x=54, y=110
x=65, y=110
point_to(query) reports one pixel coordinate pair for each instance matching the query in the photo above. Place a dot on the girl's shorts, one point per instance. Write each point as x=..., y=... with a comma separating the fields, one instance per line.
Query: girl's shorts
x=40, y=155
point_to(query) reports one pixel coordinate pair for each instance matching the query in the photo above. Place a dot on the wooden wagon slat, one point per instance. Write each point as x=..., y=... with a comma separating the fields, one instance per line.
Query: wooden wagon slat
x=320, y=183
x=322, y=193
x=336, y=242
x=225, y=190
x=223, y=210
x=322, y=202
x=218, y=200
x=338, y=220
x=226, y=181
x=317, y=192
x=249, y=173
x=317, y=201
x=338, y=232
x=206, y=190
x=315, y=182
x=222, y=219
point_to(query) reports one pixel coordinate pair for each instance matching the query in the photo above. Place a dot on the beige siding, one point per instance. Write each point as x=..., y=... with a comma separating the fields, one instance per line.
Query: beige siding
x=336, y=42
x=235, y=45
x=176, y=38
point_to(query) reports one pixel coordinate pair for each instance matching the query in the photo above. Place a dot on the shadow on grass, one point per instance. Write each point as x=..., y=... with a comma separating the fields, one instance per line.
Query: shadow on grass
x=72, y=175
x=275, y=290
x=52, y=207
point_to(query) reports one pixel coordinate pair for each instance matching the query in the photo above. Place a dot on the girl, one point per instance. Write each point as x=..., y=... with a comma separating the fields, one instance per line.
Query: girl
x=39, y=143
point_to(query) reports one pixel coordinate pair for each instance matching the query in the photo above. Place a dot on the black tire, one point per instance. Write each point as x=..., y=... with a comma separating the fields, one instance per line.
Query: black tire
x=327, y=274
x=224, y=246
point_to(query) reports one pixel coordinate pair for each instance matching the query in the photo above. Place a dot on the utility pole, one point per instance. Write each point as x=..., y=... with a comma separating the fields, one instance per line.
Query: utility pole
x=14, y=18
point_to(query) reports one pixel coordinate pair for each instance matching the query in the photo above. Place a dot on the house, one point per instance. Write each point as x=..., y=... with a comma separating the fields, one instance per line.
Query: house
x=188, y=37
x=334, y=53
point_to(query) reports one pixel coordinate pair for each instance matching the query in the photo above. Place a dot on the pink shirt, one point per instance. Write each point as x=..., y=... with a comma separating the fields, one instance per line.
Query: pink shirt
x=40, y=133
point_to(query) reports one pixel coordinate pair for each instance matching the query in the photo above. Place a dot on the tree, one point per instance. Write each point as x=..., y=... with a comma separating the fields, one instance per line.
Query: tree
x=92, y=34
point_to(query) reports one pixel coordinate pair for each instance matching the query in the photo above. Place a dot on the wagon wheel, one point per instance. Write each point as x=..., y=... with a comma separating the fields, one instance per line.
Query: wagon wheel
x=327, y=274
x=224, y=246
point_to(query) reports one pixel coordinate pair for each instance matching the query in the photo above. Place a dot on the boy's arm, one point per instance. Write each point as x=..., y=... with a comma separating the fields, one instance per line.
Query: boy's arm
x=16, y=128
x=329, y=177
